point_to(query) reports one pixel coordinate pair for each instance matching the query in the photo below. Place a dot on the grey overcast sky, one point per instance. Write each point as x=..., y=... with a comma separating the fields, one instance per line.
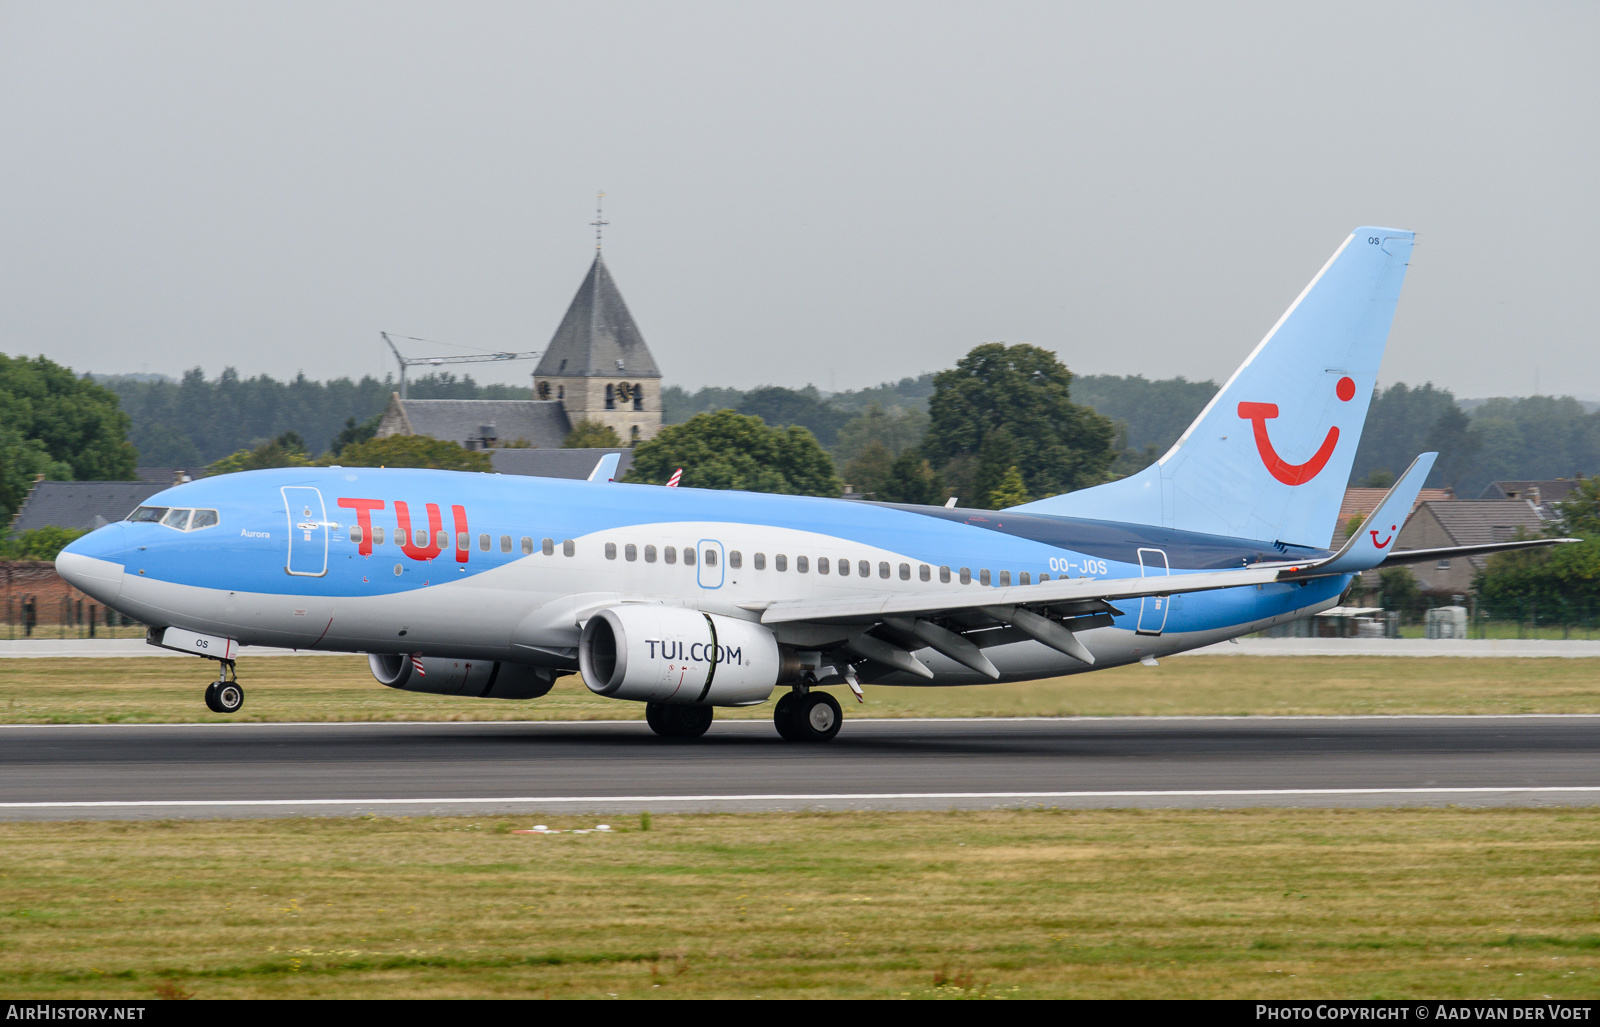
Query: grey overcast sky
x=838, y=193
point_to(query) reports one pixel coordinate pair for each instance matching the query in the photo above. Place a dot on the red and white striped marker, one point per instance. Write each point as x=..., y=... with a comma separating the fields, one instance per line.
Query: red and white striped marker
x=416, y=664
x=677, y=476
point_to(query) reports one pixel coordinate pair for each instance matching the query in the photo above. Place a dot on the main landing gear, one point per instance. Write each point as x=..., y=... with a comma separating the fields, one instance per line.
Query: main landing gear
x=807, y=716
x=675, y=720
x=224, y=694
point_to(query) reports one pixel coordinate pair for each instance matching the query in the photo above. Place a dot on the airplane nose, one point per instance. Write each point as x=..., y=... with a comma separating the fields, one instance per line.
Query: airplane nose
x=93, y=564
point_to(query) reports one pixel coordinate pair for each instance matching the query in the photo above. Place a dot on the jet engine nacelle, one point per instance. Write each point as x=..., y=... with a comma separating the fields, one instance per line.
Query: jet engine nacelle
x=669, y=654
x=441, y=676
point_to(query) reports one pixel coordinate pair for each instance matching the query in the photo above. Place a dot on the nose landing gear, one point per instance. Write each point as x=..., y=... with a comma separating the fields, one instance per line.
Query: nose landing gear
x=224, y=694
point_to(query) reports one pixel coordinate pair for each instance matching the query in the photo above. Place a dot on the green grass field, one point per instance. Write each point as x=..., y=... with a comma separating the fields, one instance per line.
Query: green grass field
x=1243, y=904
x=307, y=688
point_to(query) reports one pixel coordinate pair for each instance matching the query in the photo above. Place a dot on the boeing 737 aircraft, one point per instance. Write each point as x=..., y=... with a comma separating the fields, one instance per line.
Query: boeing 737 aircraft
x=492, y=586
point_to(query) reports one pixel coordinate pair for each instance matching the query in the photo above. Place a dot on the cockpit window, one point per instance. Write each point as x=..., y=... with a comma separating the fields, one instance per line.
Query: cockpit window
x=177, y=518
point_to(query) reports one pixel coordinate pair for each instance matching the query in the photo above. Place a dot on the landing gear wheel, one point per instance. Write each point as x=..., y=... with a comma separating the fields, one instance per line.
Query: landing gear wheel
x=224, y=697
x=674, y=720
x=785, y=718
x=817, y=717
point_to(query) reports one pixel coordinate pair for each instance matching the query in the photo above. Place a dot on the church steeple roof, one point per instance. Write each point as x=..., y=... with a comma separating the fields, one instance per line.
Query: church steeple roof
x=597, y=337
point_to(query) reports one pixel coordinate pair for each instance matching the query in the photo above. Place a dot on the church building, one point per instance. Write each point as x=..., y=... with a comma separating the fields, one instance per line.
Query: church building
x=596, y=368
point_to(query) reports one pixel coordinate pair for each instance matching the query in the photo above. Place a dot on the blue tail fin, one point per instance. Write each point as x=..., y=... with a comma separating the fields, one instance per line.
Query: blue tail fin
x=1270, y=455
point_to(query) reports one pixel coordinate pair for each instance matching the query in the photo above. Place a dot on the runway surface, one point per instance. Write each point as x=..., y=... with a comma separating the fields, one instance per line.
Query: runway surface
x=256, y=770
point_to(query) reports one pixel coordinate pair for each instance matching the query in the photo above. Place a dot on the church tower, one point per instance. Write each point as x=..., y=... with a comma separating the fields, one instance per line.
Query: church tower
x=597, y=364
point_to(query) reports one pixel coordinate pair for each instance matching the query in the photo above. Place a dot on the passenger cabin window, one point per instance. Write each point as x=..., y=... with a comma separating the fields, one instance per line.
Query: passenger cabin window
x=688, y=556
x=865, y=567
x=1043, y=578
x=966, y=575
x=823, y=563
x=983, y=576
x=669, y=554
x=801, y=564
x=1023, y=579
x=649, y=554
x=883, y=568
x=735, y=559
x=844, y=568
x=527, y=546
x=944, y=575
x=780, y=562
x=444, y=539
x=463, y=541
x=611, y=550
x=505, y=543
x=203, y=519
x=630, y=552
x=905, y=572
x=483, y=543
x=148, y=514
x=924, y=573
x=1005, y=578
x=761, y=561
x=548, y=547
x=355, y=533
x=710, y=557
x=377, y=536
x=421, y=537
x=568, y=547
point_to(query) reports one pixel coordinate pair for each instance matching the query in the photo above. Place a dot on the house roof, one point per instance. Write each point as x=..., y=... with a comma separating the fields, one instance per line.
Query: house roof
x=1549, y=491
x=597, y=337
x=1471, y=522
x=81, y=504
x=542, y=422
x=556, y=463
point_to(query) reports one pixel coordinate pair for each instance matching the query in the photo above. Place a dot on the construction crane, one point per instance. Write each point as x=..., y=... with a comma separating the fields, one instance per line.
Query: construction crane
x=468, y=358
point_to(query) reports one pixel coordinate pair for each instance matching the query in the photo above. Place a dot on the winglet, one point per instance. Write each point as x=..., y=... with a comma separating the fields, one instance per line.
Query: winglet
x=1369, y=545
x=606, y=469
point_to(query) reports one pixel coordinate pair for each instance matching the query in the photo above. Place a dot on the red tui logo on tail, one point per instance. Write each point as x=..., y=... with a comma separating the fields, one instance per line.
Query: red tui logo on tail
x=1258, y=414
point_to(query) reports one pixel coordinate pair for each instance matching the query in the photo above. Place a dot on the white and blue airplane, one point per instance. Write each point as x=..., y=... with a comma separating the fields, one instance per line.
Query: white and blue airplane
x=492, y=586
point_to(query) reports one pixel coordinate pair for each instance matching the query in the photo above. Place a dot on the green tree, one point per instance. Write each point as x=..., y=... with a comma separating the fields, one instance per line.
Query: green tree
x=1561, y=582
x=911, y=480
x=1010, y=492
x=996, y=456
x=727, y=450
x=1398, y=590
x=896, y=428
x=780, y=407
x=1024, y=390
x=39, y=544
x=287, y=450
x=868, y=471
x=592, y=435
x=412, y=451
x=59, y=425
x=353, y=432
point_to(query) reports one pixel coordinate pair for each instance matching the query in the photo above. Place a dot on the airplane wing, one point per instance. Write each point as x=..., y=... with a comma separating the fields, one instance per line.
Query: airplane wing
x=959, y=623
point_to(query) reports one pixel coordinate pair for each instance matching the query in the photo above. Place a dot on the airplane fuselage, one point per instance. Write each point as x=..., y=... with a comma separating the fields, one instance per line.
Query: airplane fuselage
x=498, y=567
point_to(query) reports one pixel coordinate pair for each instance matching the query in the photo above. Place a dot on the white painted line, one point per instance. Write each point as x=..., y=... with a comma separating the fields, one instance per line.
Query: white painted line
x=1219, y=793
